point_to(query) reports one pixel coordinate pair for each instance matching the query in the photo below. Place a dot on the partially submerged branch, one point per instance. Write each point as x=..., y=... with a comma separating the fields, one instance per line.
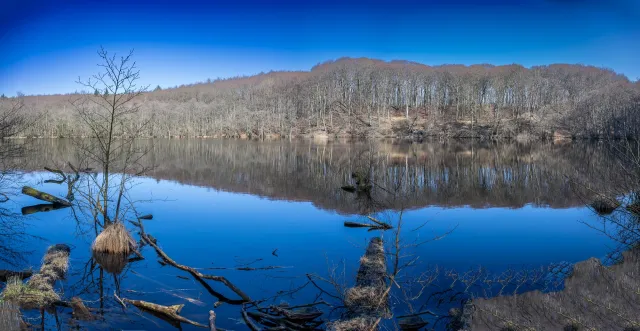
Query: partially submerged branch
x=192, y=271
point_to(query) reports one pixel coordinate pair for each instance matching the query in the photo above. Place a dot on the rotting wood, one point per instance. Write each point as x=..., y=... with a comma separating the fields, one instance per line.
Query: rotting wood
x=168, y=311
x=43, y=207
x=80, y=311
x=30, y=191
x=6, y=274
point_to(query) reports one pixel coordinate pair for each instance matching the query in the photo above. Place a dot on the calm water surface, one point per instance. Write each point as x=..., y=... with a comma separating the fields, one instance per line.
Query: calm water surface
x=229, y=203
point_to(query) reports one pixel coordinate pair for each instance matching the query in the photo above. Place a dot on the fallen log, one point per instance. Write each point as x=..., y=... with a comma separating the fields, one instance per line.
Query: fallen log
x=6, y=274
x=39, y=291
x=171, y=312
x=367, y=302
x=41, y=208
x=44, y=196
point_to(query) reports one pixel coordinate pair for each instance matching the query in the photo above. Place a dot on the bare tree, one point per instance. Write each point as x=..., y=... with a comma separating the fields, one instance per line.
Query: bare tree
x=108, y=116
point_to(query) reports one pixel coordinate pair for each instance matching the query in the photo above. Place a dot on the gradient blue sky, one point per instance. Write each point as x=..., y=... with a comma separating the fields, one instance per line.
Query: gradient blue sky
x=45, y=46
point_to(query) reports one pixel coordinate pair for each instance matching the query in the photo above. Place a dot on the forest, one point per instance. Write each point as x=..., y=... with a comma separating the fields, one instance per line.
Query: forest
x=374, y=99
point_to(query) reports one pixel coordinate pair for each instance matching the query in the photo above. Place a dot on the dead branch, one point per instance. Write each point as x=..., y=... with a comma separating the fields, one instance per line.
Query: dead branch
x=192, y=271
x=167, y=311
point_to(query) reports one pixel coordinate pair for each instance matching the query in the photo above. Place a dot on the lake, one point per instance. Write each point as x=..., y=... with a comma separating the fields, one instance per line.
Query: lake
x=279, y=207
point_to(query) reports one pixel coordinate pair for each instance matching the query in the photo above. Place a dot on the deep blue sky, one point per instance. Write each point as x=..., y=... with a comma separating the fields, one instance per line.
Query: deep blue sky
x=45, y=46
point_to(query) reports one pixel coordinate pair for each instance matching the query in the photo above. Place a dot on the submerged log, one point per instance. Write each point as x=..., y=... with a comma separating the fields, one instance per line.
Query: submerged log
x=146, y=217
x=367, y=302
x=6, y=274
x=39, y=291
x=44, y=196
x=80, y=311
x=44, y=207
x=171, y=312
x=411, y=323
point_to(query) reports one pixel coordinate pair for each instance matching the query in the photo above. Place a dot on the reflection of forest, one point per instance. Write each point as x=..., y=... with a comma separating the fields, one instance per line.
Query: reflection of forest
x=452, y=174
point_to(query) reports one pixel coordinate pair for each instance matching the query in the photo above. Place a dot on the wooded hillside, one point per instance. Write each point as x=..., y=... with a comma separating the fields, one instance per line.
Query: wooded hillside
x=373, y=98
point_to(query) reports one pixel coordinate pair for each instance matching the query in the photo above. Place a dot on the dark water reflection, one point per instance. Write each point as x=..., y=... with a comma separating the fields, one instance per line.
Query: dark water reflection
x=455, y=174
x=219, y=203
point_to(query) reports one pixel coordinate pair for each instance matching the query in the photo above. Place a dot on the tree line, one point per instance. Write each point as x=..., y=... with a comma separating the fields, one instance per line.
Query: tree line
x=372, y=98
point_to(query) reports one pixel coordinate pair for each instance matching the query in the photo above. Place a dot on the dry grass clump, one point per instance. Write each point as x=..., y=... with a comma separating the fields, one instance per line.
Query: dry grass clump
x=373, y=263
x=114, y=239
x=605, y=206
x=111, y=263
x=354, y=324
x=9, y=317
x=18, y=293
x=365, y=299
x=39, y=291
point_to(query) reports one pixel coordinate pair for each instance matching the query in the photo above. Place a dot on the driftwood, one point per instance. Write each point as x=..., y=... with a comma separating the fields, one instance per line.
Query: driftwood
x=80, y=311
x=171, y=312
x=378, y=225
x=44, y=196
x=198, y=275
x=146, y=217
x=6, y=274
x=44, y=207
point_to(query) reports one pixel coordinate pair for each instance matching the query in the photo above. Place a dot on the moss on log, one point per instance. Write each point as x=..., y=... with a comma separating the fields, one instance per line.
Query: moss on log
x=39, y=292
x=30, y=191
